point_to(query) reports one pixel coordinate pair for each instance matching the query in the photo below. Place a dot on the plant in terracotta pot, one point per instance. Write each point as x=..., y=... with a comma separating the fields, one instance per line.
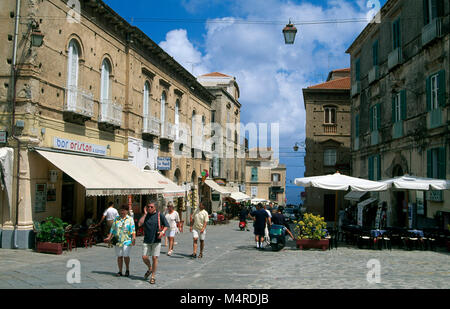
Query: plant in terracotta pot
x=310, y=232
x=50, y=236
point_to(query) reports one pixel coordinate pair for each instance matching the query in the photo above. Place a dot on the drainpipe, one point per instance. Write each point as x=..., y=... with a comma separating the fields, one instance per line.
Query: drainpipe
x=13, y=129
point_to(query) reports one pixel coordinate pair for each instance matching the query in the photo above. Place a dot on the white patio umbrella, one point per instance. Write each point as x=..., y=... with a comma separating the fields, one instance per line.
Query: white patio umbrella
x=408, y=182
x=340, y=182
x=258, y=200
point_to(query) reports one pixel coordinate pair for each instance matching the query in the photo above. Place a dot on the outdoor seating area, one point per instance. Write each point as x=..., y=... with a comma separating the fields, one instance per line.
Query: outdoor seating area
x=394, y=237
x=79, y=236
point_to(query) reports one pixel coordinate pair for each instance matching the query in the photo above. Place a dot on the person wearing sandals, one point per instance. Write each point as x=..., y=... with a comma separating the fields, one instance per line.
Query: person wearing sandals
x=124, y=231
x=173, y=219
x=199, y=221
x=155, y=225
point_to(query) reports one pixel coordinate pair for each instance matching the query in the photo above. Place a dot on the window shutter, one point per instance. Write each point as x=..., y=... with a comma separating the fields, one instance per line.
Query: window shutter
x=440, y=8
x=371, y=118
x=403, y=104
x=378, y=107
x=393, y=108
x=428, y=93
x=371, y=168
x=375, y=53
x=358, y=70
x=429, y=164
x=357, y=125
x=441, y=163
x=426, y=18
x=441, y=90
x=378, y=167
x=434, y=9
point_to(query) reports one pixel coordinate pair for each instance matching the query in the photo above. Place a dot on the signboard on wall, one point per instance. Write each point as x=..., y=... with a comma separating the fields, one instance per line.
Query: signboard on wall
x=71, y=145
x=40, y=197
x=164, y=163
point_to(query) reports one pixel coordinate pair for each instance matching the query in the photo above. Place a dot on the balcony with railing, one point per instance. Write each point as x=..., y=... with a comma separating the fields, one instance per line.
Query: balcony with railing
x=110, y=113
x=79, y=103
x=329, y=128
x=374, y=74
x=356, y=88
x=397, y=129
x=431, y=31
x=395, y=58
x=151, y=126
x=168, y=132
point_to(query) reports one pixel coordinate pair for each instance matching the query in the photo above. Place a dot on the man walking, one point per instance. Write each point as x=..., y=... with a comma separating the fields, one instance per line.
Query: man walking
x=260, y=217
x=268, y=223
x=199, y=220
x=110, y=215
x=155, y=225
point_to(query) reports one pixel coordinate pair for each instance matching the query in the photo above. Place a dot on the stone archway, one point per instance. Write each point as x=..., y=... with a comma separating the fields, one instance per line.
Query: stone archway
x=177, y=176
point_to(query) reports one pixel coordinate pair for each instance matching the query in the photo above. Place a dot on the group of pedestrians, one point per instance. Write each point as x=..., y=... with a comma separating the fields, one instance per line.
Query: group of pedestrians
x=263, y=218
x=122, y=234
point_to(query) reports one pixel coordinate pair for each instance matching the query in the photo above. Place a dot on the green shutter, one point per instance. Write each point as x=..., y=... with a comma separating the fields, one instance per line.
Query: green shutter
x=371, y=119
x=441, y=163
x=371, y=168
x=441, y=90
x=403, y=104
x=358, y=70
x=375, y=53
x=434, y=8
x=429, y=163
x=426, y=18
x=378, y=107
x=428, y=93
x=440, y=8
x=379, y=167
x=393, y=108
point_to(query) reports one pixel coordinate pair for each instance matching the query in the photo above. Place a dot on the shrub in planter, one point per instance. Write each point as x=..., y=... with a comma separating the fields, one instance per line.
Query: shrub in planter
x=310, y=232
x=50, y=236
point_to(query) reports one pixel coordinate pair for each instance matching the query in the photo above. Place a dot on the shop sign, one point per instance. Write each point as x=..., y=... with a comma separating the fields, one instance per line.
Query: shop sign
x=65, y=144
x=3, y=137
x=164, y=163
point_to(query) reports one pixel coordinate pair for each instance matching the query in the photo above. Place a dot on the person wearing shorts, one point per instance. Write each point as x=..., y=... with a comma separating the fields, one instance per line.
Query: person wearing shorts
x=199, y=221
x=173, y=219
x=260, y=217
x=124, y=231
x=155, y=226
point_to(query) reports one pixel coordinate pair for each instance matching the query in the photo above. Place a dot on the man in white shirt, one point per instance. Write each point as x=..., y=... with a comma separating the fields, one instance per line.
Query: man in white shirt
x=110, y=214
x=199, y=221
x=266, y=230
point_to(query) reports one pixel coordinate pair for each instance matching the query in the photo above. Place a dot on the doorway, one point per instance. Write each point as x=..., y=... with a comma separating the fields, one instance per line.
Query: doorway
x=328, y=207
x=401, y=215
x=67, y=202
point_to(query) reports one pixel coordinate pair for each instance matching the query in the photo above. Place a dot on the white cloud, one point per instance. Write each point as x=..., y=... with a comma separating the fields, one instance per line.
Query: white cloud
x=270, y=74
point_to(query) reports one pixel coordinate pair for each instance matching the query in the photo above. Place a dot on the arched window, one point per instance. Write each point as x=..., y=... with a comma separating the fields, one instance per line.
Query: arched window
x=163, y=112
x=330, y=115
x=146, y=105
x=105, y=92
x=72, y=73
x=177, y=119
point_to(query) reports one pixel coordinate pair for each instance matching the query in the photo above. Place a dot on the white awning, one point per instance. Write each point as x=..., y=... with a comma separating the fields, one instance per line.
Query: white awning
x=355, y=196
x=216, y=187
x=170, y=188
x=240, y=197
x=103, y=176
x=367, y=202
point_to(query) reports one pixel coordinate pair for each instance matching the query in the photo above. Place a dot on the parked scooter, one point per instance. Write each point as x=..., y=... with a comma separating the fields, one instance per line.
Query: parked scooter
x=277, y=236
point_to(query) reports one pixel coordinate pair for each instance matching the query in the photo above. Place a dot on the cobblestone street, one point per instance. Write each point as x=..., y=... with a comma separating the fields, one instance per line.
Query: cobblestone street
x=230, y=261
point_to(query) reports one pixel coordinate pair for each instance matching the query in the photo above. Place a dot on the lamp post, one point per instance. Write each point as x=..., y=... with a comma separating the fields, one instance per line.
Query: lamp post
x=298, y=145
x=289, y=33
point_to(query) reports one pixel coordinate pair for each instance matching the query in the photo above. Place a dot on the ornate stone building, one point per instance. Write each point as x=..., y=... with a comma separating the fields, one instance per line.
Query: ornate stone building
x=400, y=105
x=100, y=87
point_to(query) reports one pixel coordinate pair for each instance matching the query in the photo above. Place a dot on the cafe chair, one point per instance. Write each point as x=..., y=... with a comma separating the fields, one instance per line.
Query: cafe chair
x=365, y=238
x=386, y=241
x=71, y=242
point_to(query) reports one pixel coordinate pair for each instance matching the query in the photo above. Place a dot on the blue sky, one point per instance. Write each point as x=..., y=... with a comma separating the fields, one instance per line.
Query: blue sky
x=243, y=38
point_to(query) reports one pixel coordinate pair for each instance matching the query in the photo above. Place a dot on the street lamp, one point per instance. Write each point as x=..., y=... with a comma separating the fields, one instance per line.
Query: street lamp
x=297, y=146
x=289, y=33
x=37, y=37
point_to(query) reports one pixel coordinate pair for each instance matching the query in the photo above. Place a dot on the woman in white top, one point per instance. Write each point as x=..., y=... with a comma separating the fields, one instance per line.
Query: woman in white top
x=173, y=219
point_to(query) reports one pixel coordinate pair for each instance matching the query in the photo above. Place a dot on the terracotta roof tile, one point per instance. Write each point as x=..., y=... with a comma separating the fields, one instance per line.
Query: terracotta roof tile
x=340, y=83
x=216, y=74
x=342, y=70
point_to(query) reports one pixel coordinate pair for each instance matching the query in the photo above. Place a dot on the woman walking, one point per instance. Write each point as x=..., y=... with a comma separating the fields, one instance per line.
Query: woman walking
x=124, y=233
x=173, y=219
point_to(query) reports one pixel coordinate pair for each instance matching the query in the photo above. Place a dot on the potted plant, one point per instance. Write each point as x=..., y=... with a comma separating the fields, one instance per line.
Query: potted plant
x=50, y=236
x=310, y=232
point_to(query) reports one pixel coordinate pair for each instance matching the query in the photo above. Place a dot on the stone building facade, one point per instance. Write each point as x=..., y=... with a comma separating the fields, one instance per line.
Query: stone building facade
x=328, y=123
x=99, y=82
x=400, y=105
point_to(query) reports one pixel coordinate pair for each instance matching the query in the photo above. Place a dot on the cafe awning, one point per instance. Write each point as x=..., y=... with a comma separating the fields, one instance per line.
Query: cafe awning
x=240, y=197
x=355, y=196
x=170, y=189
x=213, y=185
x=103, y=176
